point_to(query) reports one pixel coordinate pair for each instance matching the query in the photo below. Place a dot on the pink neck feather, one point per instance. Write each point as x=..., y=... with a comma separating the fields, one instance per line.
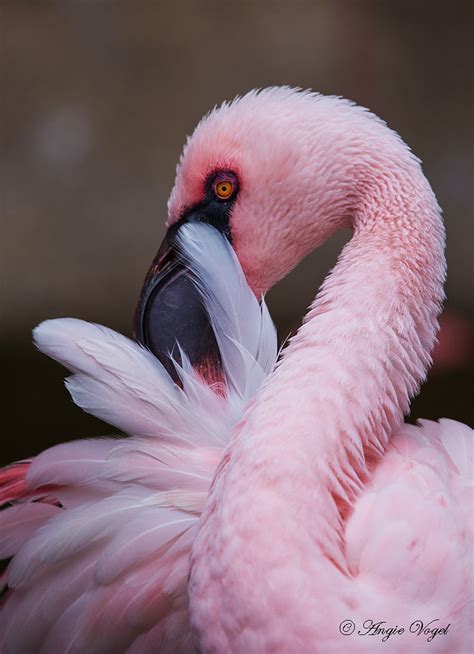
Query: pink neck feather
x=273, y=521
x=346, y=379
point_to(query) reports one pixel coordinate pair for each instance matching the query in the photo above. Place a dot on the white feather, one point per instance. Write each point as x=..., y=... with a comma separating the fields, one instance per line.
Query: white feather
x=244, y=330
x=118, y=552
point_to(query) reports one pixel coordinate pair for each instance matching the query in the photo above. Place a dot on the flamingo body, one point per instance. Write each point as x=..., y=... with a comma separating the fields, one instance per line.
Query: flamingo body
x=259, y=513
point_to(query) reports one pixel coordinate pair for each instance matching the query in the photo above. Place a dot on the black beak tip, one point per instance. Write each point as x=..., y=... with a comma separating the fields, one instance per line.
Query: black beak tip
x=170, y=311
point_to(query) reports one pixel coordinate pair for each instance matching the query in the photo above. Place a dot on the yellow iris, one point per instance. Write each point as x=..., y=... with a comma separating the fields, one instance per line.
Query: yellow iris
x=224, y=189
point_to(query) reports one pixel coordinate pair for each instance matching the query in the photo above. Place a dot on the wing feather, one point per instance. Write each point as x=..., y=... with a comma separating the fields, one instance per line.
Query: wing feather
x=101, y=529
x=424, y=477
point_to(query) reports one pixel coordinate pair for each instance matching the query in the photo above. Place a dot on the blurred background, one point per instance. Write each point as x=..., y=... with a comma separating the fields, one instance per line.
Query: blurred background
x=97, y=98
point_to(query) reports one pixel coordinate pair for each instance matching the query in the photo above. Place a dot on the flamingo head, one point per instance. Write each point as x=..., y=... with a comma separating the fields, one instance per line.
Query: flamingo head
x=274, y=171
x=285, y=198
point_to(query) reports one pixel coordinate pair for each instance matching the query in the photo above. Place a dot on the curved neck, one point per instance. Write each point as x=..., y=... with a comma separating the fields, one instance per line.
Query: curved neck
x=301, y=453
x=346, y=379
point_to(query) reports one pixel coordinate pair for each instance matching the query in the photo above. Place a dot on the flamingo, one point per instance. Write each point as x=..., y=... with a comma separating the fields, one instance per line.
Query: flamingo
x=257, y=506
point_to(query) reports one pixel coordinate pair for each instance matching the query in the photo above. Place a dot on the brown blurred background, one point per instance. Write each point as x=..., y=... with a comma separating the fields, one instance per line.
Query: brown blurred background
x=96, y=100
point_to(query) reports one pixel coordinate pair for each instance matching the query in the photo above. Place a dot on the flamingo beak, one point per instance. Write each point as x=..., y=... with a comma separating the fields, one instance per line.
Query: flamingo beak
x=170, y=311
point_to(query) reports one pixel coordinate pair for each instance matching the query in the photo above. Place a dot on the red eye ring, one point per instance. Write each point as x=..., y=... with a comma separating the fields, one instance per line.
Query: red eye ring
x=224, y=186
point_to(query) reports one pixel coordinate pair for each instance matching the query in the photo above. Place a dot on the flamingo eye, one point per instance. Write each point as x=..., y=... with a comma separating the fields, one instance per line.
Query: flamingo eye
x=224, y=187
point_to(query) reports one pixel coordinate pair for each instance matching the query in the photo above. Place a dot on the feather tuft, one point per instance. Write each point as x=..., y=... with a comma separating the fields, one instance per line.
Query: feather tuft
x=115, y=545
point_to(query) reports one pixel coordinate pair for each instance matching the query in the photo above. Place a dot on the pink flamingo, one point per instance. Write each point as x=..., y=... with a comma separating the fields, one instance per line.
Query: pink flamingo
x=258, y=508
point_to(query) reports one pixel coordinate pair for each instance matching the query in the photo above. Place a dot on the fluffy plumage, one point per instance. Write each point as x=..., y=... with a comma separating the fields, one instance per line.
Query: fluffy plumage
x=323, y=506
x=102, y=564
x=282, y=514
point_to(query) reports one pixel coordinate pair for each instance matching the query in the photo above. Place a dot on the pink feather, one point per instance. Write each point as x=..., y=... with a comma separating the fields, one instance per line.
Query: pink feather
x=258, y=519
